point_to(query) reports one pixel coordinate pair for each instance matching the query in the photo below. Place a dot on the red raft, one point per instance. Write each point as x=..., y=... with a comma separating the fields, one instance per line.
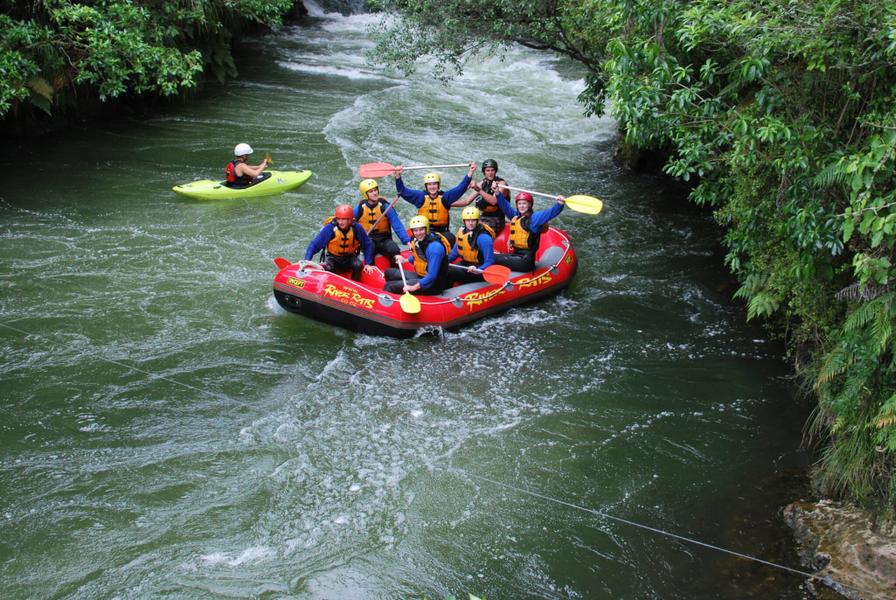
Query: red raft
x=306, y=289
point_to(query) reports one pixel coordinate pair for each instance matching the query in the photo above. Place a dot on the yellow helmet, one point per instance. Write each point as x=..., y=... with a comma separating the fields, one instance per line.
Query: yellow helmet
x=471, y=212
x=432, y=178
x=367, y=185
x=418, y=221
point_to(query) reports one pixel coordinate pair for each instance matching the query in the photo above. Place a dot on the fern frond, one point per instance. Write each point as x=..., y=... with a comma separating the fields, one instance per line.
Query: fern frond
x=856, y=292
x=835, y=363
x=830, y=175
x=862, y=315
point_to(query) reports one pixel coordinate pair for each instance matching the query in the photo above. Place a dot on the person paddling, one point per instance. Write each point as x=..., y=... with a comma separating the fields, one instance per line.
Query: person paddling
x=484, y=198
x=433, y=203
x=474, y=246
x=369, y=213
x=429, y=255
x=526, y=228
x=343, y=239
x=239, y=173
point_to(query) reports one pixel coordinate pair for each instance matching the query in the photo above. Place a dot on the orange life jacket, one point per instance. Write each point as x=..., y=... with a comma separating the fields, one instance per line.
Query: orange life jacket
x=370, y=215
x=521, y=239
x=344, y=243
x=418, y=250
x=467, y=246
x=435, y=210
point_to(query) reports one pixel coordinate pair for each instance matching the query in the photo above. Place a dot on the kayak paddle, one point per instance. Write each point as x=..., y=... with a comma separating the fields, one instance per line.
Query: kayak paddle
x=267, y=157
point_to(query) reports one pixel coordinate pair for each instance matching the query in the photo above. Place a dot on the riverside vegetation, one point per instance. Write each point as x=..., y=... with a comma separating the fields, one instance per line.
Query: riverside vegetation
x=59, y=57
x=781, y=115
x=780, y=112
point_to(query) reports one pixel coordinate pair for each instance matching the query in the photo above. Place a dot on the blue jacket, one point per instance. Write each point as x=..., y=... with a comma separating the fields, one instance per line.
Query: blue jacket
x=435, y=255
x=486, y=247
x=394, y=221
x=324, y=236
x=416, y=197
x=538, y=219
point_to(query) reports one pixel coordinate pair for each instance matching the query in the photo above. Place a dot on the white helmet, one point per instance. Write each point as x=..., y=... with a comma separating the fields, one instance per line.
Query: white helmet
x=242, y=150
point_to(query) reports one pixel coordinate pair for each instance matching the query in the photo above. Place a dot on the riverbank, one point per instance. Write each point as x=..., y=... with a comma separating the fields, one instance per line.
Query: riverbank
x=846, y=549
x=67, y=64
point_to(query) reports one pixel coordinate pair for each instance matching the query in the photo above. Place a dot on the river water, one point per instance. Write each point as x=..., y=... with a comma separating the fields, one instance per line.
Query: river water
x=168, y=431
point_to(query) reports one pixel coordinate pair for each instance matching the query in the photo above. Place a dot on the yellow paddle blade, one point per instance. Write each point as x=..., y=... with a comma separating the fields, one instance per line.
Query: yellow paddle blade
x=267, y=157
x=409, y=303
x=585, y=204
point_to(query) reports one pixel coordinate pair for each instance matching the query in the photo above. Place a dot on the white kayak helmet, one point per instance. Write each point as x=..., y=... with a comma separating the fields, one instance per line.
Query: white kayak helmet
x=242, y=150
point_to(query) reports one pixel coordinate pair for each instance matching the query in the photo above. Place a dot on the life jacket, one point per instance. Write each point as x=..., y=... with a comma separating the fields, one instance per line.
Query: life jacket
x=435, y=210
x=370, y=215
x=487, y=186
x=418, y=250
x=343, y=243
x=232, y=177
x=467, y=243
x=521, y=239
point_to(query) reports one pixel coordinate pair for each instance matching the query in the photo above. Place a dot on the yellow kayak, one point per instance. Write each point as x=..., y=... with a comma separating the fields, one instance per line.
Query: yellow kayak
x=273, y=182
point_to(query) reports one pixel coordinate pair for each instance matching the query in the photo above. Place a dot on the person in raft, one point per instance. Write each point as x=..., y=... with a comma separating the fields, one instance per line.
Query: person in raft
x=369, y=213
x=474, y=246
x=433, y=203
x=484, y=198
x=238, y=172
x=429, y=255
x=343, y=239
x=526, y=228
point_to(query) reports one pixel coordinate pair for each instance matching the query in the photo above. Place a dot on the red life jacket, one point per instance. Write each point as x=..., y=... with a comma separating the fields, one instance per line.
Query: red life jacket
x=232, y=177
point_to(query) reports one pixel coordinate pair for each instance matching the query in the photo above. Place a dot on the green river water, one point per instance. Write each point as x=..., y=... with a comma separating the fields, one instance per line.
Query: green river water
x=169, y=432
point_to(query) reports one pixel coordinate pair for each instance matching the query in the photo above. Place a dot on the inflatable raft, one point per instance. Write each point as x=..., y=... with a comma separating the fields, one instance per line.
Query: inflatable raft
x=277, y=183
x=305, y=288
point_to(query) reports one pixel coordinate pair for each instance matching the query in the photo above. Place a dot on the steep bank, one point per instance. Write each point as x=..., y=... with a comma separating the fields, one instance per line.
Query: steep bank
x=844, y=546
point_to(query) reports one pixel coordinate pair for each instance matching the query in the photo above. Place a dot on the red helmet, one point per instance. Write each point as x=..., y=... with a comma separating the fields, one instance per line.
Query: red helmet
x=525, y=196
x=345, y=211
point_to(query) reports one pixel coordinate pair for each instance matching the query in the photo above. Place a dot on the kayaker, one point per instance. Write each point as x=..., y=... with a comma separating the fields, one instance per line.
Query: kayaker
x=482, y=194
x=433, y=203
x=369, y=213
x=429, y=255
x=474, y=246
x=239, y=173
x=526, y=228
x=343, y=240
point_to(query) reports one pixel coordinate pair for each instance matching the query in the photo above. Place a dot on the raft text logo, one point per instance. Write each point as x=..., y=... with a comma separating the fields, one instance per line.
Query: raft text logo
x=347, y=296
x=476, y=298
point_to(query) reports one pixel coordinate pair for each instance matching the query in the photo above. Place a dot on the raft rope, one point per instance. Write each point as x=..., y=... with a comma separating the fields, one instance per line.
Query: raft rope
x=825, y=579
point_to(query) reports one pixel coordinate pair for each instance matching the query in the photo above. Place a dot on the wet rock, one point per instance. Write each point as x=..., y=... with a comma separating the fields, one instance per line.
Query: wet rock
x=837, y=542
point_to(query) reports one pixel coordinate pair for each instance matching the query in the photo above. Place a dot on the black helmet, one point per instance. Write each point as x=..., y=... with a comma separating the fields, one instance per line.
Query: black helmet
x=489, y=162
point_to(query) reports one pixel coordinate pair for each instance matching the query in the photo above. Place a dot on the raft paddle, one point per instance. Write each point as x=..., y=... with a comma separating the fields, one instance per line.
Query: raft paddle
x=379, y=218
x=409, y=303
x=579, y=203
x=381, y=169
x=494, y=274
x=281, y=262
